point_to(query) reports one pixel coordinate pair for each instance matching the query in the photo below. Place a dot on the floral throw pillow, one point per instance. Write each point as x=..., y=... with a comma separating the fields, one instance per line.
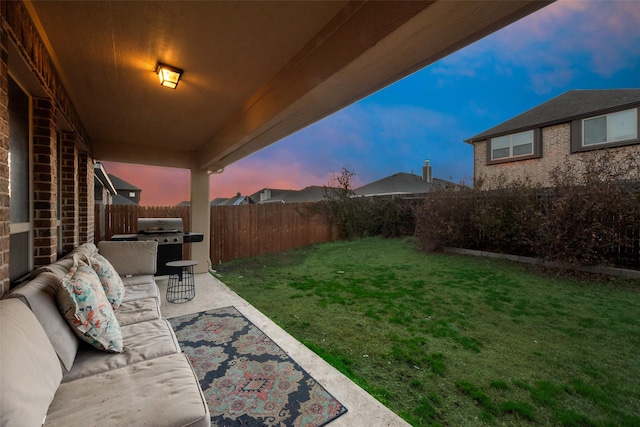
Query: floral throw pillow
x=84, y=305
x=109, y=278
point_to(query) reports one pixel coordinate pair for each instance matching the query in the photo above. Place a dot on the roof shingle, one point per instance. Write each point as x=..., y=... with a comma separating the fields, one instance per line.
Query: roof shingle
x=569, y=106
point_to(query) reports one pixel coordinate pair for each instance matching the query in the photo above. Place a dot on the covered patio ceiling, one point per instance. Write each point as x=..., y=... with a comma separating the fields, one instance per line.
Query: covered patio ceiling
x=254, y=72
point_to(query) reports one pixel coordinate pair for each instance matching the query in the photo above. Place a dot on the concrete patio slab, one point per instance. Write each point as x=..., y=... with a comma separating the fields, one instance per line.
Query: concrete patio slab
x=364, y=410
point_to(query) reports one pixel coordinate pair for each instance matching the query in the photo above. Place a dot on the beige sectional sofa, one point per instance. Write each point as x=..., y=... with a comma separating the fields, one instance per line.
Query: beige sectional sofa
x=50, y=377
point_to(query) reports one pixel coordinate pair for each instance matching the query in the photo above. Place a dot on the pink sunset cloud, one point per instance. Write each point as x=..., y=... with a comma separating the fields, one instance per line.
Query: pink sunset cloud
x=169, y=186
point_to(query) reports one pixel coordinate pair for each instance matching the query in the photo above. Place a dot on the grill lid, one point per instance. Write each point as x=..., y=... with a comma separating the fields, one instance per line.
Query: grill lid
x=160, y=225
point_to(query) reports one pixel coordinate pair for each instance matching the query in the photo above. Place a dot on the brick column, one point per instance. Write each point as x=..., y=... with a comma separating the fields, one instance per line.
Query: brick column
x=5, y=223
x=70, y=205
x=45, y=191
x=86, y=197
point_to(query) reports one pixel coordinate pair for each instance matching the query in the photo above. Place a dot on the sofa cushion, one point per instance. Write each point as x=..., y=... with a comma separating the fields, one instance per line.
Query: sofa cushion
x=140, y=310
x=131, y=258
x=40, y=296
x=84, y=305
x=162, y=392
x=83, y=251
x=60, y=268
x=109, y=278
x=30, y=371
x=138, y=287
x=143, y=341
x=141, y=279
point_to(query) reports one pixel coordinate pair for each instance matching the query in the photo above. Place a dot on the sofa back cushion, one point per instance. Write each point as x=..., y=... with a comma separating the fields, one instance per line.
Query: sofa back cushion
x=29, y=367
x=39, y=295
x=130, y=258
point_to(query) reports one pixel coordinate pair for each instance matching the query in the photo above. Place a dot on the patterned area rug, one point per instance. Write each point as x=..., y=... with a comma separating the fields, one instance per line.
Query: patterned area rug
x=246, y=378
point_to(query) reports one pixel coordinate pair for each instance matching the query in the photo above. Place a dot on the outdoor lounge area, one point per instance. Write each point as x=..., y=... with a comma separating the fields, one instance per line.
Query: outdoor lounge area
x=79, y=85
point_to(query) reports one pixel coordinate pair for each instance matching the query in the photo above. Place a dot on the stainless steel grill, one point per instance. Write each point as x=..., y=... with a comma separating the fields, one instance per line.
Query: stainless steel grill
x=170, y=235
x=165, y=231
x=168, y=232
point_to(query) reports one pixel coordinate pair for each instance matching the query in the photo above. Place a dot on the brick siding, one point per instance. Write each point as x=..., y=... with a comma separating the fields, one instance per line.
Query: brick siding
x=70, y=205
x=555, y=152
x=5, y=223
x=45, y=179
x=86, y=197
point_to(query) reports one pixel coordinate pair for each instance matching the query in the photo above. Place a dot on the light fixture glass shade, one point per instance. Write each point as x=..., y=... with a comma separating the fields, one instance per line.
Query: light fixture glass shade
x=169, y=76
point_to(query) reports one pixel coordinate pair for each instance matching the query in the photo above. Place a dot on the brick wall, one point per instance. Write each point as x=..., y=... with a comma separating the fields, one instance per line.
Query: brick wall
x=69, y=203
x=45, y=179
x=555, y=151
x=86, y=197
x=5, y=223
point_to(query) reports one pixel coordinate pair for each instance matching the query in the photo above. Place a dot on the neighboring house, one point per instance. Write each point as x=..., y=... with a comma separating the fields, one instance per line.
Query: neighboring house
x=233, y=201
x=399, y=184
x=218, y=201
x=104, y=194
x=126, y=190
x=103, y=187
x=402, y=184
x=270, y=195
x=565, y=128
x=313, y=193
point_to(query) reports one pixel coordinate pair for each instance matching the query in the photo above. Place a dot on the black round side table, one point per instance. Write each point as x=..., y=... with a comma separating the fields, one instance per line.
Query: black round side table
x=181, y=287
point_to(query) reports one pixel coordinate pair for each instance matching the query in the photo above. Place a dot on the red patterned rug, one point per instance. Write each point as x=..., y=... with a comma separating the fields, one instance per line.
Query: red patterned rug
x=246, y=378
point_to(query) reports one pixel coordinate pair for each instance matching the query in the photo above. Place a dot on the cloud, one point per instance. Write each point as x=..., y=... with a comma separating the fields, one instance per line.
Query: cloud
x=553, y=46
x=371, y=139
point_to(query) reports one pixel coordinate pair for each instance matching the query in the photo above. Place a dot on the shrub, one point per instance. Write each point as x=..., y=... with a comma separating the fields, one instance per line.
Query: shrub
x=366, y=216
x=589, y=215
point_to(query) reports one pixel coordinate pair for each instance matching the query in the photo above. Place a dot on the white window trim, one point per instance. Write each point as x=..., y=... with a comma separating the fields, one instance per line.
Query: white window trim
x=511, y=156
x=595, y=144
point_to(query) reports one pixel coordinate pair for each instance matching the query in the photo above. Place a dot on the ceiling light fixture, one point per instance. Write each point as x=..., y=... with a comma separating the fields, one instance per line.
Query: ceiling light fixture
x=168, y=75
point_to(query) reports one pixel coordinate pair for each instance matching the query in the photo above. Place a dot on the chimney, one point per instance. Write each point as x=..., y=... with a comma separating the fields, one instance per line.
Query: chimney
x=426, y=172
x=265, y=195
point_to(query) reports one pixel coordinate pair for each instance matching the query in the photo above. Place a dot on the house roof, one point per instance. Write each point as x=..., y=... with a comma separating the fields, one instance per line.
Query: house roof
x=119, y=199
x=218, y=201
x=275, y=194
x=236, y=201
x=101, y=177
x=313, y=193
x=121, y=184
x=571, y=105
x=399, y=183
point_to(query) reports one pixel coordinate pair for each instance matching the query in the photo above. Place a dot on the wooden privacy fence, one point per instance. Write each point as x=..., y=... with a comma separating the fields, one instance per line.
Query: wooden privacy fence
x=236, y=231
x=123, y=219
x=251, y=230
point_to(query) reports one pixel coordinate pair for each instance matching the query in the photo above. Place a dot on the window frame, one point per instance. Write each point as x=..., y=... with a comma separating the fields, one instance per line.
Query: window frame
x=577, y=129
x=536, y=152
x=20, y=228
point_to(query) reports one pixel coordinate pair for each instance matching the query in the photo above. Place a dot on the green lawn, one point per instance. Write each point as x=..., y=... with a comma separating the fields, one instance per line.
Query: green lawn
x=453, y=340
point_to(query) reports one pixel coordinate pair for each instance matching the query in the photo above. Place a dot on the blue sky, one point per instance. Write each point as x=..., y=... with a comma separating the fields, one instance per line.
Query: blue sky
x=567, y=45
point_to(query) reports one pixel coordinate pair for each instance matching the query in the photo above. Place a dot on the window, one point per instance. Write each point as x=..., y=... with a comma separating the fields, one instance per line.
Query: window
x=610, y=128
x=514, y=145
x=132, y=194
x=20, y=240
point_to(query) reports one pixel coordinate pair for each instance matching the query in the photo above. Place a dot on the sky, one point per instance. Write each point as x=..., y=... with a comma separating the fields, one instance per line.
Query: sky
x=587, y=44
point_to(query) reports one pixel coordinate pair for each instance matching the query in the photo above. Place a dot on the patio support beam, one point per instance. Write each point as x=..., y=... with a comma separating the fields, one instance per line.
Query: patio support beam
x=200, y=218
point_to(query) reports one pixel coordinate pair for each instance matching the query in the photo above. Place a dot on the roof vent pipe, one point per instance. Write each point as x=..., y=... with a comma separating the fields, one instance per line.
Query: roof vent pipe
x=426, y=172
